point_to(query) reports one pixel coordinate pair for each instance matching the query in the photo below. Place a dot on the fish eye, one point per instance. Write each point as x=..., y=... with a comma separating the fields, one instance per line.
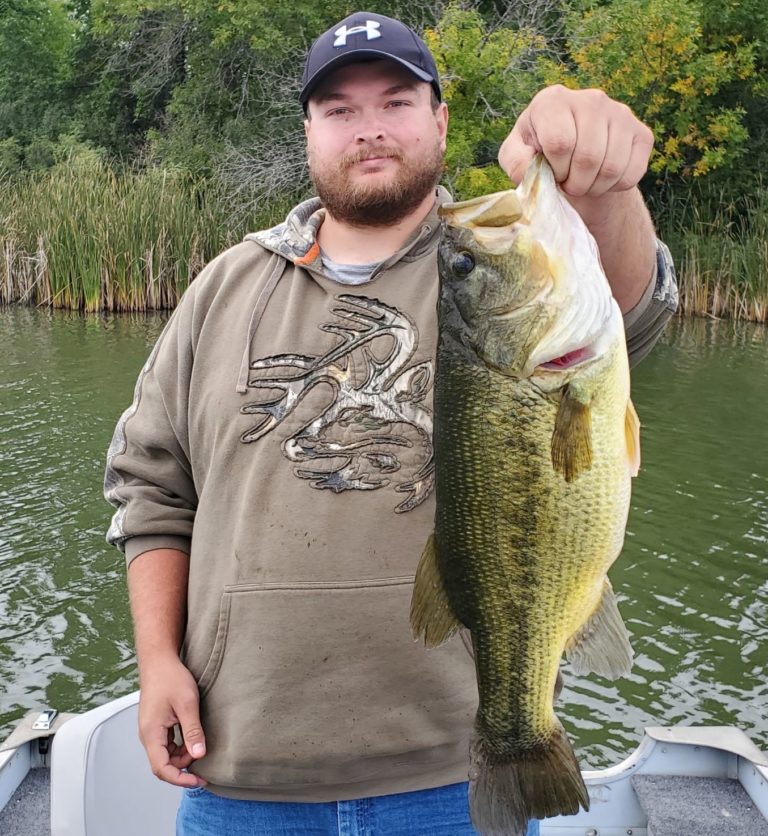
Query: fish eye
x=463, y=263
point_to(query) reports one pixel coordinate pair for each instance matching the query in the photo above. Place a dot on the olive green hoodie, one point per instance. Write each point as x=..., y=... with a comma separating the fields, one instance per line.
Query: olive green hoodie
x=280, y=433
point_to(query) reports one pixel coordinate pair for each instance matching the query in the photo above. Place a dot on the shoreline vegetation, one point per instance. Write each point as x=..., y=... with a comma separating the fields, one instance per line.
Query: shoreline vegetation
x=82, y=237
x=139, y=140
x=720, y=247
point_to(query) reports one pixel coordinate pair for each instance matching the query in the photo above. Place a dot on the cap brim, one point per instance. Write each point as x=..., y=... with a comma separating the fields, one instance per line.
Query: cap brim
x=353, y=58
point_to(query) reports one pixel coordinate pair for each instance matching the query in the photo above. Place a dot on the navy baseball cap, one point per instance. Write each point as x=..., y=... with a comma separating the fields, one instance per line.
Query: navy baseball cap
x=364, y=36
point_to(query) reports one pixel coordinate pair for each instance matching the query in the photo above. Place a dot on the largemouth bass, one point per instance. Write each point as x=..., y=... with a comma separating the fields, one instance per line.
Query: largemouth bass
x=536, y=441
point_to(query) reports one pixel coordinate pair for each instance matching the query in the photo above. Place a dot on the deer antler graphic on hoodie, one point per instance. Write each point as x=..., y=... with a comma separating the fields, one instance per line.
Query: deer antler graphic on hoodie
x=359, y=436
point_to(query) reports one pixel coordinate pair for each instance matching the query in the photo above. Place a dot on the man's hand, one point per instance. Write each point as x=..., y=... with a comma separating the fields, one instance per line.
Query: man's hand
x=598, y=150
x=593, y=143
x=169, y=696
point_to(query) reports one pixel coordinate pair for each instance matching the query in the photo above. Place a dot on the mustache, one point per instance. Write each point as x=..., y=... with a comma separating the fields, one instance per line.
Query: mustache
x=365, y=153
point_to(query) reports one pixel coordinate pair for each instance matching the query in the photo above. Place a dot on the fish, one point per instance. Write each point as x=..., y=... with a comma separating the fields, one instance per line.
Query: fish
x=535, y=444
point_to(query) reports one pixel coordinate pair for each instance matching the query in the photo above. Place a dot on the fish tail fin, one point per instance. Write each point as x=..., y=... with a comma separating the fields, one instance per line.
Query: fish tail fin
x=506, y=793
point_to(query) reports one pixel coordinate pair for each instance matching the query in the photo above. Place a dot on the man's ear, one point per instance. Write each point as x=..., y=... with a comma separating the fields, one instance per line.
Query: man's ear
x=441, y=114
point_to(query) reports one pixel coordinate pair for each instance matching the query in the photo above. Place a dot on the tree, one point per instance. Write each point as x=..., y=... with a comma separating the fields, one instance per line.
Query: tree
x=489, y=75
x=652, y=55
x=36, y=43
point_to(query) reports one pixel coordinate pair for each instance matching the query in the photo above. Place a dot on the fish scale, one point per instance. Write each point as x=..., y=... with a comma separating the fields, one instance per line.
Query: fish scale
x=533, y=463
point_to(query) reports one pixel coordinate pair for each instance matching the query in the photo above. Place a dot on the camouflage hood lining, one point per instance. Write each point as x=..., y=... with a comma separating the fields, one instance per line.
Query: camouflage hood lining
x=294, y=238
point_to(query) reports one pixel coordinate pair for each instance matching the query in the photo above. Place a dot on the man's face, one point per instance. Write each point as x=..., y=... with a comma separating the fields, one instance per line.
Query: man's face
x=375, y=144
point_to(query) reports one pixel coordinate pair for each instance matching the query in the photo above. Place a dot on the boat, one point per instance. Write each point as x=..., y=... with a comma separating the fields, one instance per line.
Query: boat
x=87, y=775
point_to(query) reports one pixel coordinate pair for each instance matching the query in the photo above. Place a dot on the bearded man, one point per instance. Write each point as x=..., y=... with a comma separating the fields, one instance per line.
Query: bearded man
x=272, y=476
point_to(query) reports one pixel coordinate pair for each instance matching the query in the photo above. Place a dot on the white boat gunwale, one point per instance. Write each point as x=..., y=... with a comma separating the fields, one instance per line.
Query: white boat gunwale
x=87, y=781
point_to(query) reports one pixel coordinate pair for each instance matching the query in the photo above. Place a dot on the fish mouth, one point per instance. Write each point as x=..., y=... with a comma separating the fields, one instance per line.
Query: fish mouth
x=581, y=349
x=570, y=359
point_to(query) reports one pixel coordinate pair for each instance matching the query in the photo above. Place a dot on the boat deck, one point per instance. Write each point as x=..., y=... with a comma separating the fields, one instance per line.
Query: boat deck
x=683, y=806
x=28, y=813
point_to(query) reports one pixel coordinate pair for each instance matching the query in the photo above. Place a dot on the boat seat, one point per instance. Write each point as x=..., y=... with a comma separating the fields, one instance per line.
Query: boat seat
x=688, y=806
x=101, y=782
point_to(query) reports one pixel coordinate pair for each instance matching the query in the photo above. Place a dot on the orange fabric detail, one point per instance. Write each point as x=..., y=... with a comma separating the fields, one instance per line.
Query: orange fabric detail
x=312, y=254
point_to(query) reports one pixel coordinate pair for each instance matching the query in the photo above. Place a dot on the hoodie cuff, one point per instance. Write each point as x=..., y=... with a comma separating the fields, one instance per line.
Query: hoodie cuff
x=134, y=546
x=644, y=323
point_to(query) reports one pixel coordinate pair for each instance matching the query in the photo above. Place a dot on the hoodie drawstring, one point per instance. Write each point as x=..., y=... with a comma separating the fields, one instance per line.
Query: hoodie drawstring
x=258, y=311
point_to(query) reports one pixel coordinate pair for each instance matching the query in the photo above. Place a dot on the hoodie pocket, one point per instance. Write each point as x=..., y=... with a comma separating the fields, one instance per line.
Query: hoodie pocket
x=321, y=683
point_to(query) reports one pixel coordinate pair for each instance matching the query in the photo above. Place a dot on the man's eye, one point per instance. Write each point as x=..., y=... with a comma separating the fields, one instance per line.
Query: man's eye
x=463, y=263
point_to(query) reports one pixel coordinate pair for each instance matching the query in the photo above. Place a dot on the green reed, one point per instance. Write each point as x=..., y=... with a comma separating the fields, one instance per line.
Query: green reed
x=720, y=245
x=84, y=237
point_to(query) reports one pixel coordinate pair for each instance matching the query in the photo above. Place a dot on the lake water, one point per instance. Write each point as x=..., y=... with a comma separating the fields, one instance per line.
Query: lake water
x=692, y=580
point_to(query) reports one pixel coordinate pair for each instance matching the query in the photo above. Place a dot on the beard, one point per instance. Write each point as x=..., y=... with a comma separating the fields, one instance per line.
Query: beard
x=376, y=203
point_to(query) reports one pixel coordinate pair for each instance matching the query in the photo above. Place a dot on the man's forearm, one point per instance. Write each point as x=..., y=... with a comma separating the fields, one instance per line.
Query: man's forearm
x=624, y=232
x=157, y=584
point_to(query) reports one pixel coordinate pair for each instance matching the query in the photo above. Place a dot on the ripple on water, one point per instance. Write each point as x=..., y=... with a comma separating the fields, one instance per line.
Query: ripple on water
x=64, y=625
x=691, y=580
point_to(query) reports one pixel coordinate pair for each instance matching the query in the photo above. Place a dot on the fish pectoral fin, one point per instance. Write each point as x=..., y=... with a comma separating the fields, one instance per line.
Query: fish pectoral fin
x=431, y=613
x=601, y=645
x=572, y=436
x=632, y=433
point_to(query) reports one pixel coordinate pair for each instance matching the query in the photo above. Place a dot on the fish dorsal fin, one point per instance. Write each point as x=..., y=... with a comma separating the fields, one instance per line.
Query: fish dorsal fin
x=632, y=433
x=601, y=645
x=493, y=210
x=431, y=613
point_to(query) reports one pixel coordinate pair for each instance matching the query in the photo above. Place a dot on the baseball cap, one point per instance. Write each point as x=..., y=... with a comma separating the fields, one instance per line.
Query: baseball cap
x=366, y=36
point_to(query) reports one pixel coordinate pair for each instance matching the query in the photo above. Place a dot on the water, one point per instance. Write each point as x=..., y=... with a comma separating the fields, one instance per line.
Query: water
x=692, y=581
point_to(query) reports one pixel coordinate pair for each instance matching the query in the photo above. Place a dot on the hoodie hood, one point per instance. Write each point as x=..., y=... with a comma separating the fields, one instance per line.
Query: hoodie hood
x=295, y=239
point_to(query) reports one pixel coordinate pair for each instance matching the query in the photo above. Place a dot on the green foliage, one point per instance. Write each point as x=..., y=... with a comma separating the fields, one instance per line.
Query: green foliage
x=211, y=75
x=720, y=244
x=36, y=44
x=120, y=121
x=123, y=77
x=651, y=55
x=10, y=156
x=82, y=236
x=724, y=23
x=487, y=81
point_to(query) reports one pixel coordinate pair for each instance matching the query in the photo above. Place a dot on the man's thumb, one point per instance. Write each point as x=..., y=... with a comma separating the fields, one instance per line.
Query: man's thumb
x=515, y=156
x=192, y=731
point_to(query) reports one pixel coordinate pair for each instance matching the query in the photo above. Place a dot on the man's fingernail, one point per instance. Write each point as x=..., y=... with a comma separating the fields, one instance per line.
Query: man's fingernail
x=198, y=749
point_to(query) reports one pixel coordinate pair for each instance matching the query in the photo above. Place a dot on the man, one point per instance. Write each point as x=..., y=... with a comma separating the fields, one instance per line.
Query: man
x=269, y=476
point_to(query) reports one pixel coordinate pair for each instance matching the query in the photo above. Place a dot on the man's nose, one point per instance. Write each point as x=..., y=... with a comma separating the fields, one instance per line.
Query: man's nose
x=370, y=129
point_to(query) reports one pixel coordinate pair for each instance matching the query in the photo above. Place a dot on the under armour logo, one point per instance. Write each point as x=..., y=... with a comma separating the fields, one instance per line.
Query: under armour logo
x=371, y=30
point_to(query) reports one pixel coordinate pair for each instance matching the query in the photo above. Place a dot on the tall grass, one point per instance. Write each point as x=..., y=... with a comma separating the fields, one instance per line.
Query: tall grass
x=720, y=245
x=82, y=236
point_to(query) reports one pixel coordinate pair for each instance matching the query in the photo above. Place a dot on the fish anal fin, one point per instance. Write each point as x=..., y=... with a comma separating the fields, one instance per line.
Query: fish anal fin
x=632, y=433
x=572, y=436
x=505, y=793
x=431, y=613
x=601, y=645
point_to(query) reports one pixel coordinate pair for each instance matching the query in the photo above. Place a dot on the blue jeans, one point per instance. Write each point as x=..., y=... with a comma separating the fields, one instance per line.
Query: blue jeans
x=440, y=812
